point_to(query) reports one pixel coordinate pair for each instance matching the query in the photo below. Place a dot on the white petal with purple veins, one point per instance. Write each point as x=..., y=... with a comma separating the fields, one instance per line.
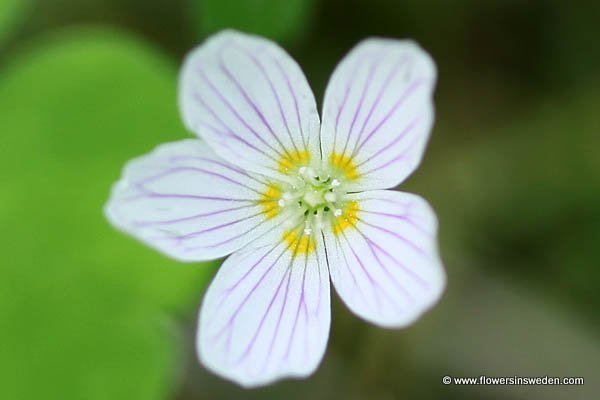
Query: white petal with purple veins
x=266, y=315
x=385, y=265
x=378, y=111
x=293, y=202
x=250, y=101
x=188, y=203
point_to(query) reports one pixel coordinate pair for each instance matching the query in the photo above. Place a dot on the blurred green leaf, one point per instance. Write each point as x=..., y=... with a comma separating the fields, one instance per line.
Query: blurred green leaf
x=278, y=20
x=86, y=312
x=11, y=11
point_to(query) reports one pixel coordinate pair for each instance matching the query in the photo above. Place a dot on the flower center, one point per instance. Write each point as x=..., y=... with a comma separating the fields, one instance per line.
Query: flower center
x=312, y=197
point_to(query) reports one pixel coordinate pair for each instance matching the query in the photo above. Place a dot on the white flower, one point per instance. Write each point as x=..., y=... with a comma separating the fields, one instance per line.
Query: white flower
x=294, y=201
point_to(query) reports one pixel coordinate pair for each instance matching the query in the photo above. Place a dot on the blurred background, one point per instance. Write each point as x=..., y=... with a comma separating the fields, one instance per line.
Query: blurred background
x=513, y=171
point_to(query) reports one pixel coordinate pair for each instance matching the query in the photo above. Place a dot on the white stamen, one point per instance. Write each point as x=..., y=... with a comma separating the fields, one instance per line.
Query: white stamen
x=317, y=222
x=312, y=198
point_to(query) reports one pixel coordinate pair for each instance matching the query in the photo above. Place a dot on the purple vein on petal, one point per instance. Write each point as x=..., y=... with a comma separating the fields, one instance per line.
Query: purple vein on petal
x=321, y=274
x=305, y=353
x=339, y=251
x=405, y=95
x=265, y=75
x=225, y=293
x=405, y=218
x=387, y=200
x=305, y=141
x=220, y=164
x=300, y=302
x=409, y=271
x=176, y=170
x=279, y=318
x=393, y=71
x=406, y=241
x=229, y=132
x=250, y=102
x=195, y=234
x=376, y=288
x=223, y=139
x=250, y=345
x=188, y=218
x=385, y=270
x=406, y=131
x=211, y=246
x=247, y=297
x=235, y=112
x=344, y=100
x=404, y=154
x=372, y=68
x=228, y=290
x=234, y=315
x=148, y=193
x=215, y=245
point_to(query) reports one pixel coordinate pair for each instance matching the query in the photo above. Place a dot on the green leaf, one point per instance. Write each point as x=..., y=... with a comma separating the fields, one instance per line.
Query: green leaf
x=278, y=20
x=86, y=312
x=11, y=12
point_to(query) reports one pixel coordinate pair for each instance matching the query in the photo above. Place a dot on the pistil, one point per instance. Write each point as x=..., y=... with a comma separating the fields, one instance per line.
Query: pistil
x=312, y=197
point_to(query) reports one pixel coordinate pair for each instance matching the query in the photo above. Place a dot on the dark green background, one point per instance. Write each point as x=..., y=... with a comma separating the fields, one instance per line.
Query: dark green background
x=513, y=170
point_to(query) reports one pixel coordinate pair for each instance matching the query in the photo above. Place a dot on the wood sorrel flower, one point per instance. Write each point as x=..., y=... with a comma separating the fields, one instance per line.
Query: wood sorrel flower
x=293, y=200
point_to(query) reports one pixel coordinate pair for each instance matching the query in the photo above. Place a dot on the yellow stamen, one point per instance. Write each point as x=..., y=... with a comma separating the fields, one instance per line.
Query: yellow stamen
x=348, y=218
x=293, y=160
x=344, y=164
x=303, y=245
x=268, y=201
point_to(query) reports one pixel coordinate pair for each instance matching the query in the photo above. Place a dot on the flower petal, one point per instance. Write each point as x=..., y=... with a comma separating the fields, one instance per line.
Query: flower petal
x=250, y=101
x=378, y=112
x=383, y=260
x=266, y=315
x=185, y=201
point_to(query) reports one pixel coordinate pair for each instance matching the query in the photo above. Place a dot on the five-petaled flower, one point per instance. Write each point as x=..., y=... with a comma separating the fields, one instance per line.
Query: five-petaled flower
x=295, y=201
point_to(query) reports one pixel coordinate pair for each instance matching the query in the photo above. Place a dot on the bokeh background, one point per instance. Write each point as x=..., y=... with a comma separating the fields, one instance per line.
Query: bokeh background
x=513, y=170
